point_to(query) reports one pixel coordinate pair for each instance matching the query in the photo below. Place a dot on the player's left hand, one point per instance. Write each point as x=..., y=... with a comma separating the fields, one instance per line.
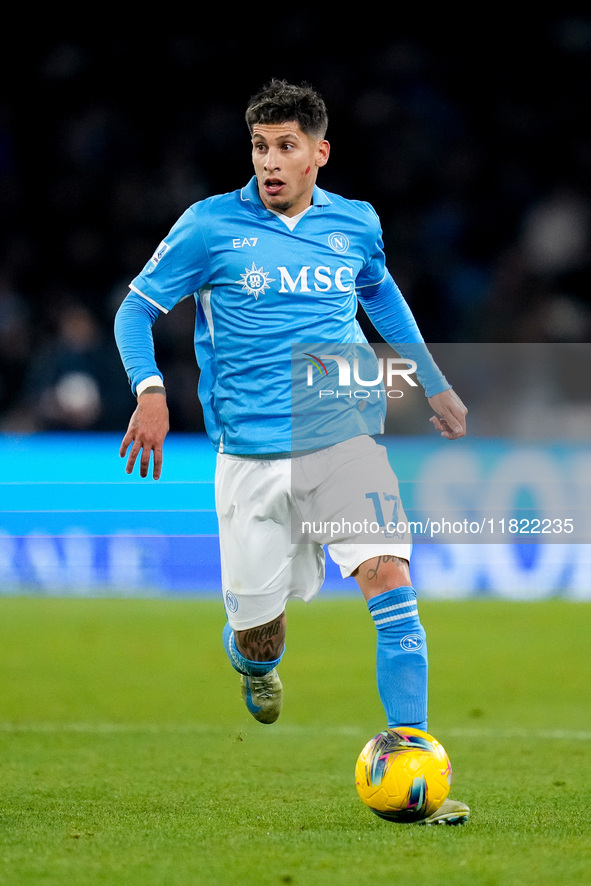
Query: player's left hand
x=450, y=414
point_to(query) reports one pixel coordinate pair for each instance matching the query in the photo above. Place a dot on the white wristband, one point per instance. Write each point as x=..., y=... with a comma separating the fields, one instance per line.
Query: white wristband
x=147, y=383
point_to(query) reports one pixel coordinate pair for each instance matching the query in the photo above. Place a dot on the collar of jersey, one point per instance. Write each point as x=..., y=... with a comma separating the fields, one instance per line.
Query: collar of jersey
x=250, y=194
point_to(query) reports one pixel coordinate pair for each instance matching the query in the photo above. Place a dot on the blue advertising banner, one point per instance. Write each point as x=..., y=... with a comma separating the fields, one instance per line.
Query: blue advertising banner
x=72, y=522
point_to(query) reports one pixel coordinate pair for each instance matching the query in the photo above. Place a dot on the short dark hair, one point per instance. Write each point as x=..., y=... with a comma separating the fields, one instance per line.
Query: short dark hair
x=282, y=102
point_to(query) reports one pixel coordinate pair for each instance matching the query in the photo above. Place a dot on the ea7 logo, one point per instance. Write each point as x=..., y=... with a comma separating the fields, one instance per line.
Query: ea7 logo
x=239, y=242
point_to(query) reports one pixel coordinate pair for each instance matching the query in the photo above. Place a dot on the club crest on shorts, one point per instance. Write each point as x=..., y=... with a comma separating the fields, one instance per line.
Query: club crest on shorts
x=231, y=602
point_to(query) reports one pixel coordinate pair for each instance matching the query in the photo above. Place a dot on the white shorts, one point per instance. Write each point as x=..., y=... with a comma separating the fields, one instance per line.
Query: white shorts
x=276, y=515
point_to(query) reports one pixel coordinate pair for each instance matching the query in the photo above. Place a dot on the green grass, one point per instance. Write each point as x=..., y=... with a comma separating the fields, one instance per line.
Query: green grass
x=127, y=757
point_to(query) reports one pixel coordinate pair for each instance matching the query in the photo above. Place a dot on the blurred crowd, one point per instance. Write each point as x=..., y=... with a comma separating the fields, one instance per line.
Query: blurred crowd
x=475, y=153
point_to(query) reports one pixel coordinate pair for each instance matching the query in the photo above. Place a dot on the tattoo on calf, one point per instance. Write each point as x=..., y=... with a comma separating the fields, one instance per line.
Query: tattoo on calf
x=263, y=643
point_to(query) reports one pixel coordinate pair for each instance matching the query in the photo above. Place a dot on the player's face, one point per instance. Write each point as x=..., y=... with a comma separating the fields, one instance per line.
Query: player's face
x=286, y=162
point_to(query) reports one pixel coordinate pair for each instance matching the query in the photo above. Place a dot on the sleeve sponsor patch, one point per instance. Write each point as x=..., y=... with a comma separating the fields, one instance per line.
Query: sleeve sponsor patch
x=160, y=252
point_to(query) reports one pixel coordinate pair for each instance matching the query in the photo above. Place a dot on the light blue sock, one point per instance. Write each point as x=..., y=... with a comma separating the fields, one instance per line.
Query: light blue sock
x=240, y=663
x=401, y=660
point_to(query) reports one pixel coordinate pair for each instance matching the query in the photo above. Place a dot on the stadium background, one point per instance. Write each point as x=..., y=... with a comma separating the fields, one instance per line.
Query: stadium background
x=472, y=144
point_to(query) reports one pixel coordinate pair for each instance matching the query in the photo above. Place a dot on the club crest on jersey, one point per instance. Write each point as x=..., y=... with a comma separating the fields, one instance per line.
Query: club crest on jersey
x=255, y=281
x=339, y=242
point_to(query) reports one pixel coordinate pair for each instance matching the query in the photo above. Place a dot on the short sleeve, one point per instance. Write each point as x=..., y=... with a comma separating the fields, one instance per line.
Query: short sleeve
x=179, y=266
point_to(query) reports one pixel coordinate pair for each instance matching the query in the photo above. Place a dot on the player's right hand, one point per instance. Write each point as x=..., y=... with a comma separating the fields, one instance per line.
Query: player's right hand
x=146, y=432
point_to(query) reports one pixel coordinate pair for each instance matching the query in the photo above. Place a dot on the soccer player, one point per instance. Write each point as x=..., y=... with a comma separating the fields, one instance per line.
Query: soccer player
x=277, y=263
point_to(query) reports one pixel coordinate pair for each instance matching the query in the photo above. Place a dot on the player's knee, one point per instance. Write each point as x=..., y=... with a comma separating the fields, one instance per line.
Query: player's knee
x=382, y=574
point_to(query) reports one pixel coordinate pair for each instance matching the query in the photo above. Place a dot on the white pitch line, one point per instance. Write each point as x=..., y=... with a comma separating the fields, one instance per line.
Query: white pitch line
x=90, y=728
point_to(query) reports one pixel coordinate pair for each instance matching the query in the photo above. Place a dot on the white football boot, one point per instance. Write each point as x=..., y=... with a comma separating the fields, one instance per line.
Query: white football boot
x=263, y=696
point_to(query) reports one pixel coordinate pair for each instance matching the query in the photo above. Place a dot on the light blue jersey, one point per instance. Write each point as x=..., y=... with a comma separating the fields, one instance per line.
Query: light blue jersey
x=259, y=288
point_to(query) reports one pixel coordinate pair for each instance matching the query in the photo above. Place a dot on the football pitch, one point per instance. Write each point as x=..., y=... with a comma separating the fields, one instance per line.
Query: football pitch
x=129, y=758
